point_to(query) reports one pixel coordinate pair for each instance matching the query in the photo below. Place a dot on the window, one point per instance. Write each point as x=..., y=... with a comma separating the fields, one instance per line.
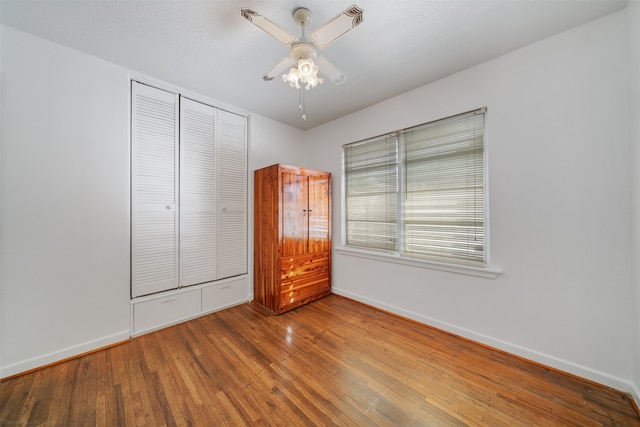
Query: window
x=371, y=185
x=420, y=192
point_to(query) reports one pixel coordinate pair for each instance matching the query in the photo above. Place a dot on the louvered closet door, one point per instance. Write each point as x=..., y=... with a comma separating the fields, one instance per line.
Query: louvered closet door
x=232, y=179
x=197, y=193
x=154, y=144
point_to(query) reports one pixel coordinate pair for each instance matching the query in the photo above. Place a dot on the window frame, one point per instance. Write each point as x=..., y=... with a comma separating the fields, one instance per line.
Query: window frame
x=396, y=256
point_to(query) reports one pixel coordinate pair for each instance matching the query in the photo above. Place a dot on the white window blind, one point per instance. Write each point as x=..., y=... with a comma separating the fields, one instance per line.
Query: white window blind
x=443, y=206
x=438, y=170
x=371, y=185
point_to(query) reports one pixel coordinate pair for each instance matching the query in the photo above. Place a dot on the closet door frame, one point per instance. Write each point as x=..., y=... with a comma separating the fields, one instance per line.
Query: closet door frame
x=231, y=247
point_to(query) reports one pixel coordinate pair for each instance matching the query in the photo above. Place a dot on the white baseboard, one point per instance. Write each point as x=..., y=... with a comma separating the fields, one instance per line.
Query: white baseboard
x=635, y=393
x=65, y=353
x=544, y=359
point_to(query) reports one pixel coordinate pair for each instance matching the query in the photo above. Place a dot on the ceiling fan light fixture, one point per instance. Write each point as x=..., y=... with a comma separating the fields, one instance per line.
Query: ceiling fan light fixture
x=306, y=67
x=313, y=83
x=292, y=77
x=306, y=71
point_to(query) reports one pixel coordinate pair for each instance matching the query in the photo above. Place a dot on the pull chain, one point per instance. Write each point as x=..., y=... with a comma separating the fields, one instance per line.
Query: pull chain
x=301, y=106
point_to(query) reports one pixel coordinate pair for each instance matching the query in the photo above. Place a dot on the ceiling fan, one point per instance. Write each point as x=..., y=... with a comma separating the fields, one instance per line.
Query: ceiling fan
x=303, y=62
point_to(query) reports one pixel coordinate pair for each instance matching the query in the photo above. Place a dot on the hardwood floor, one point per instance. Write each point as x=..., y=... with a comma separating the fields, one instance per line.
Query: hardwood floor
x=333, y=362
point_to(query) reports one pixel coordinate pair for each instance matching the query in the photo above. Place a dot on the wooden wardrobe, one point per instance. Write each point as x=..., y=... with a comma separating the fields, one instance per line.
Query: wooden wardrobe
x=292, y=236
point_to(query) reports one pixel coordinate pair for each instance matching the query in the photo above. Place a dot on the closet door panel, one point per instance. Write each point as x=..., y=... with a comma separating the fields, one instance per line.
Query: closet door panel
x=198, y=212
x=232, y=191
x=154, y=142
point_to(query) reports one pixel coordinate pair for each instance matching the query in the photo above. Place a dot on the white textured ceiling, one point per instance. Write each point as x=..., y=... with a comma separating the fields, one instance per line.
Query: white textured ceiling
x=208, y=48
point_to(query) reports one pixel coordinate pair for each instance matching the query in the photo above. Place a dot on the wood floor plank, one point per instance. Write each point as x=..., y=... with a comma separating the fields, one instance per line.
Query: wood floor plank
x=334, y=362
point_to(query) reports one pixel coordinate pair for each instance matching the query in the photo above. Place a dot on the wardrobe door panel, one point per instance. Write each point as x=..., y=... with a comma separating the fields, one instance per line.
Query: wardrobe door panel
x=319, y=213
x=295, y=219
x=154, y=180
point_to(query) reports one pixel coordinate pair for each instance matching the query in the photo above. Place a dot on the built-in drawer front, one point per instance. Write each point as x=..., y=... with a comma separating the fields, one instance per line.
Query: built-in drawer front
x=155, y=313
x=224, y=294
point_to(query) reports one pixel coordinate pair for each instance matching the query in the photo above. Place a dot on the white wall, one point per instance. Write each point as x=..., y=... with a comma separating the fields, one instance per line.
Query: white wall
x=65, y=203
x=557, y=138
x=633, y=10
x=64, y=286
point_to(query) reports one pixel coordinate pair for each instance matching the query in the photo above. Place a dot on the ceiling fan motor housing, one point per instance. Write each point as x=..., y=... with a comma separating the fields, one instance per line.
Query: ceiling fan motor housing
x=302, y=50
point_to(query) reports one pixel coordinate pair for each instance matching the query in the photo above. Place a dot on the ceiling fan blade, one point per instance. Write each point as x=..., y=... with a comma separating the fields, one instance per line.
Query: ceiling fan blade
x=336, y=76
x=279, y=33
x=336, y=27
x=280, y=68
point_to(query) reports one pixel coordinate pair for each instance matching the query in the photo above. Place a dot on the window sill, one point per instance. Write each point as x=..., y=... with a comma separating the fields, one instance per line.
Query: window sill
x=485, y=272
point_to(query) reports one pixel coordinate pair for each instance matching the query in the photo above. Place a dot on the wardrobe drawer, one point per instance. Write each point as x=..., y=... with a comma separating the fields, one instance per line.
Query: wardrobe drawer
x=303, y=294
x=297, y=268
x=225, y=294
x=155, y=313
